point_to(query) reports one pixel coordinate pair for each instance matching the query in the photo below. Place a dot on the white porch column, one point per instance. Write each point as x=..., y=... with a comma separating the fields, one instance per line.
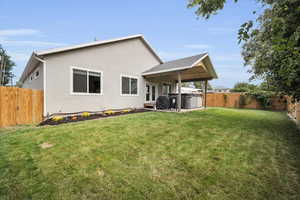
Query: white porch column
x=179, y=93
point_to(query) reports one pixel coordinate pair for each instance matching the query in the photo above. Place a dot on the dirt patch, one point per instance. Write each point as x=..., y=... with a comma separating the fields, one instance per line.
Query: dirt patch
x=77, y=118
x=46, y=145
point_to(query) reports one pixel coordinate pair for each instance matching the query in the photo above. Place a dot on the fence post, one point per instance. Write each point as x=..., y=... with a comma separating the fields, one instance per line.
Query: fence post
x=298, y=112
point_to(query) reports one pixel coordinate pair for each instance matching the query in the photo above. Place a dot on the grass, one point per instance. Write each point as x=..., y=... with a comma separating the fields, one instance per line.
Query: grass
x=212, y=154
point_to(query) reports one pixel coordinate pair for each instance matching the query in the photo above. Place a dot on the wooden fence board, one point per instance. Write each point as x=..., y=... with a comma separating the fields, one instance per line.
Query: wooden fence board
x=20, y=106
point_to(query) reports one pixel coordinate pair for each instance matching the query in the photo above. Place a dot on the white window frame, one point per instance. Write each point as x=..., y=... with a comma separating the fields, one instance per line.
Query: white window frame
x=130, y=77
x=87, y=93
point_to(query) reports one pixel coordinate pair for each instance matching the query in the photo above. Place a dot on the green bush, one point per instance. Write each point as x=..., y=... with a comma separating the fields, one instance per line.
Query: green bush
x=264, y=98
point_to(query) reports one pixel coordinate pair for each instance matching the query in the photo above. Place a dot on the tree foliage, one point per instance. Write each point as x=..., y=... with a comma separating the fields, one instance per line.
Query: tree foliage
x=243, y=87
x=196, y=84
x=271, y=44
x=263, y=93
x=201, y=85
x=9, y=64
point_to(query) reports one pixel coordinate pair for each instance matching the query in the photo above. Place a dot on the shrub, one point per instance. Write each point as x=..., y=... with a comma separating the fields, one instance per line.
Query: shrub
x=109, y=112
x=57, y=118
x=263, y=97
x=244, y=100
x=85, y=114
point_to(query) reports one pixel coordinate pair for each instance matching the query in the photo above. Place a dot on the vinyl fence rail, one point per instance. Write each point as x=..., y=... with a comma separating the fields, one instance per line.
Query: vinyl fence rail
x=20, y=106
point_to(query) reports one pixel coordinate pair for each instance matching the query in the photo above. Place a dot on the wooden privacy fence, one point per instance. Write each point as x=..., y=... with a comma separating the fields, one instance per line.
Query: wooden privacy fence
x=293, y=109
x=20, y=106
x=232, y=100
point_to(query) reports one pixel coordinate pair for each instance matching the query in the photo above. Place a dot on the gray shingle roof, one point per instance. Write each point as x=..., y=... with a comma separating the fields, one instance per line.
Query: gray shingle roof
x=175, y=64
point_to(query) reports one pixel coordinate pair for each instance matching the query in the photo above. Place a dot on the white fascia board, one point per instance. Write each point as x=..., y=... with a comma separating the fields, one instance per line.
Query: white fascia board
x=166, y=70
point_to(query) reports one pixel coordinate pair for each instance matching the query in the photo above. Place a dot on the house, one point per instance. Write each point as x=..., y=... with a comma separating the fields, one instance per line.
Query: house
x=111, y=74
x=220, y=89
x=189, y=90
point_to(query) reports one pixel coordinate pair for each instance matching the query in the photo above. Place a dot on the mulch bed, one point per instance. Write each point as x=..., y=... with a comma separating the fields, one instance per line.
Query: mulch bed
x=70, y=119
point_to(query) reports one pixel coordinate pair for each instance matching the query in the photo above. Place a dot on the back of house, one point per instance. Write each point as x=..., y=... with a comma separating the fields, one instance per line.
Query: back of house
x=91, y=77
x=112, y=74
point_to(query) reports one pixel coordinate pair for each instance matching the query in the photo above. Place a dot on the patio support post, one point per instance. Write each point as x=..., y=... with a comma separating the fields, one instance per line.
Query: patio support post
x=179, y=93
x=205, y=94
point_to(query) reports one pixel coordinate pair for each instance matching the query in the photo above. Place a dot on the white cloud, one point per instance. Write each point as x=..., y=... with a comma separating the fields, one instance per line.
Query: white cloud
x=29, y=43
x=18, y=32
x=6, y=34
x=197, y=46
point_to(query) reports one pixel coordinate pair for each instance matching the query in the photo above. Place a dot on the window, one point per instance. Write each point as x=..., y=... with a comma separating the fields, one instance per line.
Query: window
x=147, y=92
x=37, y=74
x=129, y=85
x=86, y=81
x=153, y=93
x=94, y=82
x=133, y=86
x=166, y=89
x=125, y=85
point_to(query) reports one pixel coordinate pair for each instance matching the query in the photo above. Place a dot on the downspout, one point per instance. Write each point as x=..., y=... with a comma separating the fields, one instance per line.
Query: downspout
x=44, y=82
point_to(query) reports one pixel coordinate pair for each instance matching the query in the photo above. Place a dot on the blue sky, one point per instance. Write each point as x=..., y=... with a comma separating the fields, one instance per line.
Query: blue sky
x=172, y=29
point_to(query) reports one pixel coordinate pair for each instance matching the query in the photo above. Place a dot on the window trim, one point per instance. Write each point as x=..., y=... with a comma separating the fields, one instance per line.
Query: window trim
x=130, y=77
x=87, y=93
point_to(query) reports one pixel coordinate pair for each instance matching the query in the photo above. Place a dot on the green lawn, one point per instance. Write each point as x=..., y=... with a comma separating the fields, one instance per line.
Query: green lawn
x=212, y=154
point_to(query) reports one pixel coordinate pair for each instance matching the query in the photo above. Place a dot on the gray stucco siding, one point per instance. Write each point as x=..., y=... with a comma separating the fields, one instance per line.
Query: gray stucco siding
x=129, y=57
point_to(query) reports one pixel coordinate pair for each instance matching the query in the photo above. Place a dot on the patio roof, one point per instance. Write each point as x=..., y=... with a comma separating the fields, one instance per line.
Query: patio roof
x=193, y=68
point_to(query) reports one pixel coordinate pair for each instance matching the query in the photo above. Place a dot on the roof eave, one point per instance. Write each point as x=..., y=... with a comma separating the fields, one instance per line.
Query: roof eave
x=178, y=68
x=164, y=71
x=24, y=74
x=79, y=46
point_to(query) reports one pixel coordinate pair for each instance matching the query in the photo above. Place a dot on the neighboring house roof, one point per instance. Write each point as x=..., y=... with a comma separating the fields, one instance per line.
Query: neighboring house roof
x=220, y=88
x=32, y=61
x=174, y=65
x=189, y=89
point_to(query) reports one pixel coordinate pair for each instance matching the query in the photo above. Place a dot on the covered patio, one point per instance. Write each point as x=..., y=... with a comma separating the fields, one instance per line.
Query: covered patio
x=174, y=73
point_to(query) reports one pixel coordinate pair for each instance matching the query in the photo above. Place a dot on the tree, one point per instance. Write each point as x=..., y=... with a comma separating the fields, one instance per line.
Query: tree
x=243, y=87
x=200, y=85
x=6, y=66
x=271, y=44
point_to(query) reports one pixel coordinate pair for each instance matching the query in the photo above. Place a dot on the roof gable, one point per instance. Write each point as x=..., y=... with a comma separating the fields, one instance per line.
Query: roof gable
x=36, y=56
x=98, y=43
x=178, y=64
